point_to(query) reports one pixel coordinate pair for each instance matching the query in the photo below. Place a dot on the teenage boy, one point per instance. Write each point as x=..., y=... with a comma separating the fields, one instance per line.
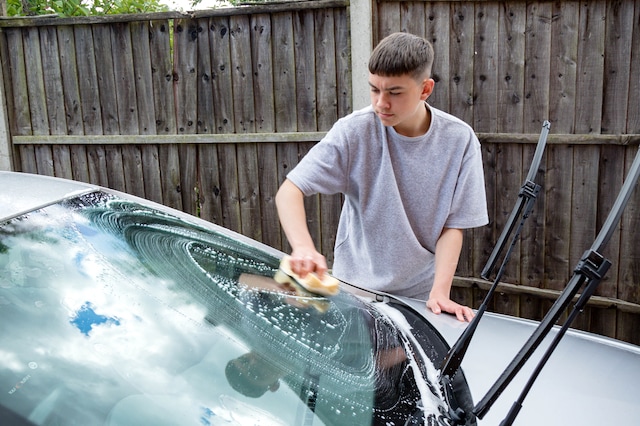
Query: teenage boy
x=412, y=179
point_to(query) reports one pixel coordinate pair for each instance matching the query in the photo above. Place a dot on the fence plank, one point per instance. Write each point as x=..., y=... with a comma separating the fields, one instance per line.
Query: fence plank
x=53, y=94
x=106, y=79
x=388, y=21
x=88, y=80
x=54, y=98
x=409, y=10
x=78, y=168
x=437, y=32
x=461, y=49
x=164, y=107
x=162, y=75
x=125, y=83
x=330, y=107
x=563, y=70
x=90, y=102
x=109, y=104
x=590, y=66
x=325, y=70
x=209, y=184
x=244, y=112
x=304, y=54
x=185, y=37
x=633, y=115
x=171, y=190
x=284, y=72
x=208, y=196
x=143, y=79
x=37, y=99
x=261, y=53
x=559, y=160
x=225, y=121
x=537, y=65
x=485, y=114
x=511, y=66
x=284, y=90
x=617, y=64
x=343, y=62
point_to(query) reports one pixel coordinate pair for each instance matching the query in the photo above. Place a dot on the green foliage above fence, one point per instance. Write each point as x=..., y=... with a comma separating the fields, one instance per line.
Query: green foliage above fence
x=66, y=8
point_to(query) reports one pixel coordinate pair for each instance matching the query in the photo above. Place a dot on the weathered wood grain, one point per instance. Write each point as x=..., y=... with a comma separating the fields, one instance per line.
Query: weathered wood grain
x=563, y=66
x=485, y=68
x=326, y=79
x=185, y=38
x=590, y=78
x=438, y=24
x=142, y=73
x=262, y=66
x=78, y=168
x=343, y=62
x=511, y=66
x=461, y=50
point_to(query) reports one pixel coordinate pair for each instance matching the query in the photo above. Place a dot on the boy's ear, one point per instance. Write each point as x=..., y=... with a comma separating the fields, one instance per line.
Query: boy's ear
x=427, y=88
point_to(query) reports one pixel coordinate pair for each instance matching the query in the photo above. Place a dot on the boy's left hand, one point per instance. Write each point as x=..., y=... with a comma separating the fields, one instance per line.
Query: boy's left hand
x=438, y=305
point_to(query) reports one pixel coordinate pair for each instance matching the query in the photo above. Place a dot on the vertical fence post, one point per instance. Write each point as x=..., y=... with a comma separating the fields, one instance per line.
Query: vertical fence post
x=6, y=158
x=360, y=12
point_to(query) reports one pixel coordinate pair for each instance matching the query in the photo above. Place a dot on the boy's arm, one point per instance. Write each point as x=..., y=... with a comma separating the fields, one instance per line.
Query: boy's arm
x=304, y=256
x=448, y=250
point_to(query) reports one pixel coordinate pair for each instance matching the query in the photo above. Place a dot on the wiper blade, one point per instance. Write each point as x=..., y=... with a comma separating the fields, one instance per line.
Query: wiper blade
x=527, y=195
x=522, y=209
x=590, y=270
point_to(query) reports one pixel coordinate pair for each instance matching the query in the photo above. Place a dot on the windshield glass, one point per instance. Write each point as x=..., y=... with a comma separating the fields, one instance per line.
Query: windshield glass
x=115, y=313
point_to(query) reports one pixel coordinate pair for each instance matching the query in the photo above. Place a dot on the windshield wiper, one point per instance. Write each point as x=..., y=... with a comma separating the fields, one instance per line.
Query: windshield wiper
x=522, y=210
x=590, y=270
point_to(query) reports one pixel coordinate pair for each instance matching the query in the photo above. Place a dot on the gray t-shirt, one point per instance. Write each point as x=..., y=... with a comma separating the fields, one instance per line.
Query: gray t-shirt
x=400, y=192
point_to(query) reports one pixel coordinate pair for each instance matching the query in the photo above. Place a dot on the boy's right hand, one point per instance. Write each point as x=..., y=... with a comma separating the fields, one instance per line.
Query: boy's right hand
x=304, y=261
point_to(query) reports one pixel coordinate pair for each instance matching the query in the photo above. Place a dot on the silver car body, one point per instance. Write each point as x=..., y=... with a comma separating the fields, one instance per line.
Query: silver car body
x=589, y=380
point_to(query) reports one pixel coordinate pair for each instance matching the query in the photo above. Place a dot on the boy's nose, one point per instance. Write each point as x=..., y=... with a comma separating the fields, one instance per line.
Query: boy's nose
x=382, y=100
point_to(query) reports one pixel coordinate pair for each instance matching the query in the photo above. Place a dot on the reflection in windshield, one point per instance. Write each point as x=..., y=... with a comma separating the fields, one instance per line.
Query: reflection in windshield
x=147, y=319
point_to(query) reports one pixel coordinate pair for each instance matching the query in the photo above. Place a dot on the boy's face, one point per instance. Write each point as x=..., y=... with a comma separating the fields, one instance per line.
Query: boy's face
x=399, y=102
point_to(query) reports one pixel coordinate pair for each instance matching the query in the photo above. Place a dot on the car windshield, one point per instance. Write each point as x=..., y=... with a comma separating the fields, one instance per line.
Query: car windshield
x=112, y=312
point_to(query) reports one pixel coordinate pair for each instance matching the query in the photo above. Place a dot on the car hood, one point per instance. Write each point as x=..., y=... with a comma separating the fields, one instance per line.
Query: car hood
x=23, y=192
x=589, y=379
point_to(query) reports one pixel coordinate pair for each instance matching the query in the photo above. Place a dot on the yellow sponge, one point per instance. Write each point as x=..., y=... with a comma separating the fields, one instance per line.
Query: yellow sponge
x=327, y=286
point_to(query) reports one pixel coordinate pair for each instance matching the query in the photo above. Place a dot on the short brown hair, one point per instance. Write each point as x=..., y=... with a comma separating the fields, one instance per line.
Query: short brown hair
x=402, y=53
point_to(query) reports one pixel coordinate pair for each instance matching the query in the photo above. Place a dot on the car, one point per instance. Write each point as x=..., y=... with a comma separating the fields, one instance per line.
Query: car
x=115, y=310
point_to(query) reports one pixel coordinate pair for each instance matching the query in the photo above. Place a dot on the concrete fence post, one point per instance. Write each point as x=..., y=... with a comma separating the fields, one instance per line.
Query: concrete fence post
x=361, y=46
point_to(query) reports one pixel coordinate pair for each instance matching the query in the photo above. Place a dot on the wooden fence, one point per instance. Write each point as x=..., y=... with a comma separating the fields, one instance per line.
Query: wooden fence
x=207, y=112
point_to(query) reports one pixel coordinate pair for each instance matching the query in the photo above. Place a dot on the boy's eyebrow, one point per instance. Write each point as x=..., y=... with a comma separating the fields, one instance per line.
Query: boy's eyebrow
x=388, y=89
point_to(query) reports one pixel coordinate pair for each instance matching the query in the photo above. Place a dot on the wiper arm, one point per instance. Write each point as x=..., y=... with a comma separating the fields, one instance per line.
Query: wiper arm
x=590, y=269
x=522, y=209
